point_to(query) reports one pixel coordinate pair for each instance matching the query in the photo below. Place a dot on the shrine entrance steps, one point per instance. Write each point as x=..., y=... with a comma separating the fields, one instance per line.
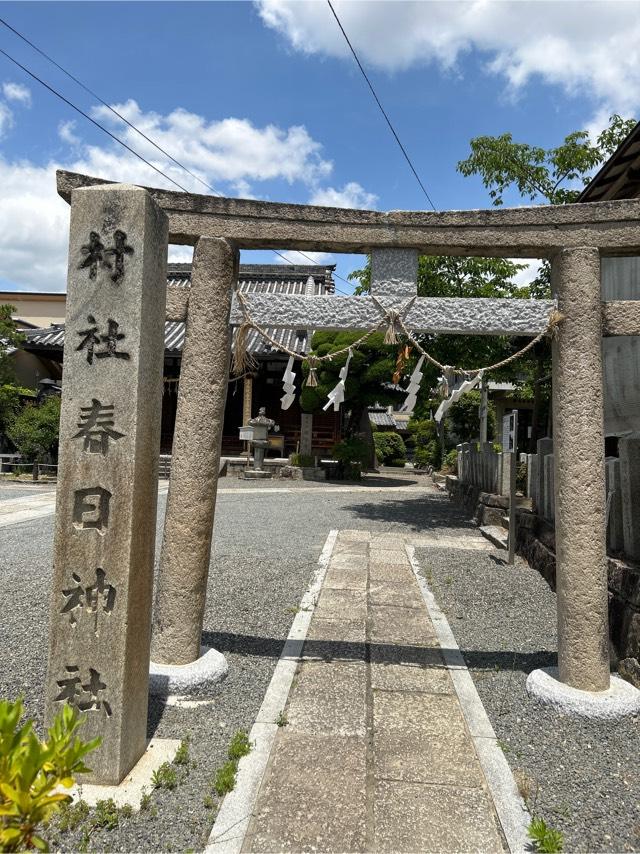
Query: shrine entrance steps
x=373, y=752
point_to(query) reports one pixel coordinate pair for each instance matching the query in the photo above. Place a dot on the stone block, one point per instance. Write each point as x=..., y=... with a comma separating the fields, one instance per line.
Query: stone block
x=105, y=525
x=629, y=451
x=394, y=272
x=407, y=626
x=346, y=578
x=342, y=604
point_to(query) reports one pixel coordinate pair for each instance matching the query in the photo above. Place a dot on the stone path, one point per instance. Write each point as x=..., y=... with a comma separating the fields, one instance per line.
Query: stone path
x=374, y=753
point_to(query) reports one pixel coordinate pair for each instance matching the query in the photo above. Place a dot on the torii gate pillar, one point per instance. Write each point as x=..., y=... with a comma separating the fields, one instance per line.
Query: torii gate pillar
x=202, y=394
x=581, y=566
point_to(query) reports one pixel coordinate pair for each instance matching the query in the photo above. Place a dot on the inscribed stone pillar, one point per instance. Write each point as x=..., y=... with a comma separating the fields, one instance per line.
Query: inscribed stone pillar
x=549, y=497
x=105, y=525
x=615, y=527
x=545, y=446
x=581, y=575
x=247, y=398
x=508, y=462
x=202, y=394
x=629, y=450
x=306, y=433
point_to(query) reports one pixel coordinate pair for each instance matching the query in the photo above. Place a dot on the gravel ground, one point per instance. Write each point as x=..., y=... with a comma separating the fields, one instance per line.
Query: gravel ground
x=266, y=550
x=9, y=489
x=583, y=776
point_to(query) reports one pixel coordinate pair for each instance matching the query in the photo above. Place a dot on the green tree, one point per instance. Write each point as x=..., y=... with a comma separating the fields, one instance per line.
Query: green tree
x=542, y=174
x=368, y=381
x=10, y=339
x=34, y=431
x=553, y=176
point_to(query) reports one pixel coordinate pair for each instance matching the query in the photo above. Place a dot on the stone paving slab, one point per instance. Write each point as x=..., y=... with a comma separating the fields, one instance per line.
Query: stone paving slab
x=411, y=817
x=316, y=796
x=376, y=754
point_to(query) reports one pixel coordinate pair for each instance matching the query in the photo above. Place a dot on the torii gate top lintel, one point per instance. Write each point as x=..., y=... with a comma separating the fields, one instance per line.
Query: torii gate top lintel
x=522, y=232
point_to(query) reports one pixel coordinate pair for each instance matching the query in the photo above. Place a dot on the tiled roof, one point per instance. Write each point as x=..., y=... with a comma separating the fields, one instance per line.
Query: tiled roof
x=261, y=278
x=382, y=419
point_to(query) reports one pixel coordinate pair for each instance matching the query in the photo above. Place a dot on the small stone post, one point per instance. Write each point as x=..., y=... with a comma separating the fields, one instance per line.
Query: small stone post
x=306, y=434
x=629, y=448
x=581, y=576
x=615, y=526
x=544, y=447
x=188, y=528
x=105, y=527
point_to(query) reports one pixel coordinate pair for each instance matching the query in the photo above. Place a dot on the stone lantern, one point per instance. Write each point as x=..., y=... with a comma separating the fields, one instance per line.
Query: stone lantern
x=256, y=432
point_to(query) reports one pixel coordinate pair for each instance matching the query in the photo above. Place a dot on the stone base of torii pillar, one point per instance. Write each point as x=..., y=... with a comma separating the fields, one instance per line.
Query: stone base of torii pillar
x=621, y=698
x=207, y=670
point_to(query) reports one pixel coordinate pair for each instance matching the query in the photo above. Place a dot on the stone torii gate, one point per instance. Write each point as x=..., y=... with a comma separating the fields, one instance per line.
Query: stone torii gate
x=573, y=237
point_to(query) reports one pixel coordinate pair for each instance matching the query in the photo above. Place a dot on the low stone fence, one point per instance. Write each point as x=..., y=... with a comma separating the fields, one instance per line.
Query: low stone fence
x=480, y=465
x=622, y=486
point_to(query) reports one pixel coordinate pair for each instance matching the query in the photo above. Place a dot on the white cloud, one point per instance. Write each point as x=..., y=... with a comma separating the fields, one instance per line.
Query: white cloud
x=590, y=47
x=6, y=119
x=34, y=224
x=352, y=195
x=524, y=277
x=292, y=257
x=230, y=150
x=17, y=92
x=66, y=132
x=231, y=155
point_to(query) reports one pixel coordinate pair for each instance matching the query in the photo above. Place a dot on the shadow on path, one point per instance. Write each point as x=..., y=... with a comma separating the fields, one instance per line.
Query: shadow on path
x=418, y=514
x=379, y=652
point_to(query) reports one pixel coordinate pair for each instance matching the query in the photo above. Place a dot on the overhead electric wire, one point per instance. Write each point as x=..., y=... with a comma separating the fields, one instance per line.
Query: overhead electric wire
x=127, y=122
x=382, y=109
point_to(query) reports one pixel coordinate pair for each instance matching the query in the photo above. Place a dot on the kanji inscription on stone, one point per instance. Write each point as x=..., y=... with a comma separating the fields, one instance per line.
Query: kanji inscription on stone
x=107, y=476
x=92, y=599
x=95, y=254
x=97, y=427
x=108, y=342
x=91, y=508
x=85, y=696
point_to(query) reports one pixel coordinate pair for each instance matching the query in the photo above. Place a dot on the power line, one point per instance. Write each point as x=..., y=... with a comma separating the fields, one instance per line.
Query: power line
x=127, y=122
x=382, y=109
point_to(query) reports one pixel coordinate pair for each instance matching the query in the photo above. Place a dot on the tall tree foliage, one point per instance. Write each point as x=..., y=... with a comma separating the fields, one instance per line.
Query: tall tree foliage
x=555, y=176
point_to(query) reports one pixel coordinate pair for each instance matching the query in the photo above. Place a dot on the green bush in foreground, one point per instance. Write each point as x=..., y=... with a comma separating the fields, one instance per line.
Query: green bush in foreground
x=31, y=770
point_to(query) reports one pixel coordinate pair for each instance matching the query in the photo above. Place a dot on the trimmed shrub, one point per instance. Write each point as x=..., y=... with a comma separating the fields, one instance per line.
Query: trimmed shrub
x=390, y=448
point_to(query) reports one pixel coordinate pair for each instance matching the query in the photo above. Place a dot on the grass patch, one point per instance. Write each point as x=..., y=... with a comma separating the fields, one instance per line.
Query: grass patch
x=282, y=719
x=548, y=840
x=165, y=777
x=225, y=777
x=239, y=746
x=72, y=815
x=106, y=815
x=182, y=753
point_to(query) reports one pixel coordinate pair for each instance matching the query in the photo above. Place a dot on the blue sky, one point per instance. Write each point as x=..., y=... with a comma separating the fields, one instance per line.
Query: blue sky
x=263, y=100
